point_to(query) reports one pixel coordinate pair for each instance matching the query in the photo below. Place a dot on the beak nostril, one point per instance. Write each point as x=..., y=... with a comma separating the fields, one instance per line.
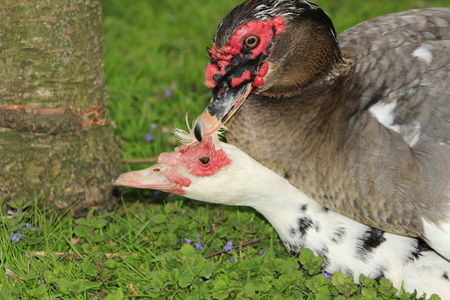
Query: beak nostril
x=156, y=170
x=115, y=178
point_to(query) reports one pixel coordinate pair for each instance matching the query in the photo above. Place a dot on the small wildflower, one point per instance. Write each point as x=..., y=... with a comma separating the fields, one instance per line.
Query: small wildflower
x=10, y=212
x=169, y=93
x=149, y=137
x=156, y=193
x=199, y=237
x=201, y=279
x=15, y=237
x=208, y=230
x=153, y=125
x=187, y=241
x=327, y=276
x=275, y=273
x=198, y=246
x=232, y=260
x=28, y=226
x=228, y=247
x=261, y=252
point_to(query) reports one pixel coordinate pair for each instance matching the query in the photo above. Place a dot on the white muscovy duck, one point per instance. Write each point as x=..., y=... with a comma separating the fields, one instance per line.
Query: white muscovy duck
x=216, y=172
x=362, y=127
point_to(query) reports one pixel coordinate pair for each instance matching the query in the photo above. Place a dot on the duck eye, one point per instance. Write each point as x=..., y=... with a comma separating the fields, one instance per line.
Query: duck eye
x=251, y=41
x=204, y=160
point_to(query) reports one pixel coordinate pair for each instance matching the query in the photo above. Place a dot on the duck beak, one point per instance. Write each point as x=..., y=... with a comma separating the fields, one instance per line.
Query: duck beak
x=223, y=105
x=150, y=178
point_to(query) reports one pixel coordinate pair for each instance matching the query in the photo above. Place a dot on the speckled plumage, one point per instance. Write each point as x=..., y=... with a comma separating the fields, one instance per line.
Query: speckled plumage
x=366, y=134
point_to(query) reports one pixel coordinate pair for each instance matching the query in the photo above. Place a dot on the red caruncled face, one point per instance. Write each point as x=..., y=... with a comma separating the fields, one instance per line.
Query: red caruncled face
x=200, y=160
x=239, y=61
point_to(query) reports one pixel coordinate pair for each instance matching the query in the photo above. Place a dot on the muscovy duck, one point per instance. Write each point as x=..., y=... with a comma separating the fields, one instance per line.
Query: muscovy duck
x=362, y=128
x=216, y=172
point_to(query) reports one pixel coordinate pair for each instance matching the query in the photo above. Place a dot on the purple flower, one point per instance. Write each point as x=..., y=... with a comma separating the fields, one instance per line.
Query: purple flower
x=198, y=246
x=275, y=273
x=199, y=237
x=228, y=247
x=232, y=260
x=201, y=279
x=208, y=230
x=28, y=226
x=261, y=252
x=149, y=137
x=187, y=241
x=169, y=93
x=156, y=193
x=327, y=276
x=15, y=237
x=10, y=212
x=153, y=125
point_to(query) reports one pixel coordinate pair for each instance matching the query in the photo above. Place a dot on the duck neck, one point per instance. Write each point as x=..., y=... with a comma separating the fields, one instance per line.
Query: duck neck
x=285, y=206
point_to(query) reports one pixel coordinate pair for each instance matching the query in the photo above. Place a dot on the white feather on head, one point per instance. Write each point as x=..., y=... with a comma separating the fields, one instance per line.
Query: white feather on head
x=187, y=138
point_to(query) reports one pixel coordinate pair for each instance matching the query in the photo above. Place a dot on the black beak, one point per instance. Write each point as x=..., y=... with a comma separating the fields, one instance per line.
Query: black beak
x=223, y=105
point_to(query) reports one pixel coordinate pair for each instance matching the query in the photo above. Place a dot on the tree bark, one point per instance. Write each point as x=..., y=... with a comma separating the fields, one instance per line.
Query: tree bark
x=55, y=140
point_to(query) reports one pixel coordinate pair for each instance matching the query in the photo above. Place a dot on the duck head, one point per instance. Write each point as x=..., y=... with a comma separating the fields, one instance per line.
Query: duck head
x=180, y=171
x=271, y=47
x=208, y=171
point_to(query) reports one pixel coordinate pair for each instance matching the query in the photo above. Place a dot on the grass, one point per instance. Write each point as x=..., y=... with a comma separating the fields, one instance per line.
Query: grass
x=174, y=250
x=154, y=61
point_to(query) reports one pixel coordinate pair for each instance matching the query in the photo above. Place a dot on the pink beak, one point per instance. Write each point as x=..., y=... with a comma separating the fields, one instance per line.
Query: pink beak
x=150, y=178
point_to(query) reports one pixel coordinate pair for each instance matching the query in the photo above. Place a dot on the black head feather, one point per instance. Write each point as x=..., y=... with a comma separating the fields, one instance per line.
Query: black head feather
x=268, y=9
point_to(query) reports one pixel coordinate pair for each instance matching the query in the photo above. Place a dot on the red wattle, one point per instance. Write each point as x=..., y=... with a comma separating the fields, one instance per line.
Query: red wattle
x=263, y=69
x=237, y=81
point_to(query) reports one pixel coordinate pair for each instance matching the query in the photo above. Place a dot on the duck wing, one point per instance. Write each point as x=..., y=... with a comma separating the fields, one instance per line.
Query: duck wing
x=403, y=74
x=402, y=77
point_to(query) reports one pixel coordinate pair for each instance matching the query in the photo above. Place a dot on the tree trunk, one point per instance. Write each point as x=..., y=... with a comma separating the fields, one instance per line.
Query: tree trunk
x=55, y=141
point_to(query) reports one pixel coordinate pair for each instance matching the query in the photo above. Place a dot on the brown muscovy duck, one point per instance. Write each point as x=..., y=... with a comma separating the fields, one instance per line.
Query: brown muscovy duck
x=362, y=127
x=216, y=172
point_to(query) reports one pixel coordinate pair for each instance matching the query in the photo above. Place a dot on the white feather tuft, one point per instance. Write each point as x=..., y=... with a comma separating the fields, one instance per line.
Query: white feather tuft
x=187, y=138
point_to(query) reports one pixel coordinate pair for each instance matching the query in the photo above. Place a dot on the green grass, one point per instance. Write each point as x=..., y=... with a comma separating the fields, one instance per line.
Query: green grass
x=140, y=251
x=154, y=61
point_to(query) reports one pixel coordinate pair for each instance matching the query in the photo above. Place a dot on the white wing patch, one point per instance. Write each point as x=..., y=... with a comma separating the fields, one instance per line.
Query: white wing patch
x=424, y=53
x=384, y=112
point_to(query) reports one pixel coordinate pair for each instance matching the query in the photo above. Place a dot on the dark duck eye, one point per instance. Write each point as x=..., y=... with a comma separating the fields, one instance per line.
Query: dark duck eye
x=204, y=160
x=251, y=42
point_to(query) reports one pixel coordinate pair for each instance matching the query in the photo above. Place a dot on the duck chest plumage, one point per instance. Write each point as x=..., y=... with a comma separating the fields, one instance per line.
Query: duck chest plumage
x=359, y=122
